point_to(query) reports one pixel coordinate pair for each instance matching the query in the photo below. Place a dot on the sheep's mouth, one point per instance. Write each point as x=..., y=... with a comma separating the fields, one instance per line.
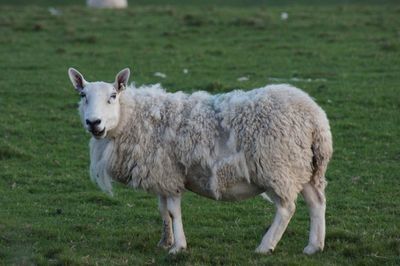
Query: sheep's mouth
x=97, y=133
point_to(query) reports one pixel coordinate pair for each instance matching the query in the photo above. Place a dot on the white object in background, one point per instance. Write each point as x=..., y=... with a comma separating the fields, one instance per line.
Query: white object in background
x=159, y=74
x=107, y=3
x=284, y=16
x=54, y=11
x=242, y=79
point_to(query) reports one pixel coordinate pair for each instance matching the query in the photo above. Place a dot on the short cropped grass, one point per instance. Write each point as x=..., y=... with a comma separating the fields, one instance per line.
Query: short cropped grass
x=346, y=55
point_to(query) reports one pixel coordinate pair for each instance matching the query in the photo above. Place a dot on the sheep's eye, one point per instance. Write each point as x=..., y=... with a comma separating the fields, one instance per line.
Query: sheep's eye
x=83, y=95
x=112, y=97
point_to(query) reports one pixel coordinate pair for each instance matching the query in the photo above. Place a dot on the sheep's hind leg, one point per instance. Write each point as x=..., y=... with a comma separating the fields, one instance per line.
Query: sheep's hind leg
x=315, y=199
x=284, y=212
x=174, y=209
x=167, y=238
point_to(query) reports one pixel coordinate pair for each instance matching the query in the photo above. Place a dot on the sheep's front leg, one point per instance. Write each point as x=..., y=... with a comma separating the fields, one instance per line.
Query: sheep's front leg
x=174, y=209
x=167, y=238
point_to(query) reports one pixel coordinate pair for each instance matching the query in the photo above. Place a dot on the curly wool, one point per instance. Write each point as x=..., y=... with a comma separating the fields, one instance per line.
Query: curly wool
x=275, y=137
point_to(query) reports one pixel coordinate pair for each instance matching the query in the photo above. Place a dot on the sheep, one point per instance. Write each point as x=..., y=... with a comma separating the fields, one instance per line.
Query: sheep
x=274, y=140
x=107, y=3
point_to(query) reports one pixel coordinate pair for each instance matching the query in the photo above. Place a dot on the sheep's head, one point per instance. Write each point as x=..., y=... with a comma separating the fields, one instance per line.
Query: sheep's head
x=99, y=106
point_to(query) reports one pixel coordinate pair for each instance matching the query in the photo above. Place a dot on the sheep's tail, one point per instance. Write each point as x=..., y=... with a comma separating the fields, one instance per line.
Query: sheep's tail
x=322, y=153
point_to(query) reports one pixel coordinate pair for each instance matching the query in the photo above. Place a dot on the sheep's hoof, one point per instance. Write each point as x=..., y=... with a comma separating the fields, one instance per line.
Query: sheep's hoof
x=264, y=251
x=176, y=249
x=165, y=243
x=311, y=249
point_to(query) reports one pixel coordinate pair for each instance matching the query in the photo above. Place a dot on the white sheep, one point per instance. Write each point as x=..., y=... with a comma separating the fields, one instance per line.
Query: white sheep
x=107, y=3
x=228, y=146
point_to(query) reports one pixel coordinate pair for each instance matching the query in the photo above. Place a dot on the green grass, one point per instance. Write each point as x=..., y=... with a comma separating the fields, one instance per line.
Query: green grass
x=50, y=212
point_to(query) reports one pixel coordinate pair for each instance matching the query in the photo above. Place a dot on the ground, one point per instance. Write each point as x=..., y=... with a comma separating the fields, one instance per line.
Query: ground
x=346, y=54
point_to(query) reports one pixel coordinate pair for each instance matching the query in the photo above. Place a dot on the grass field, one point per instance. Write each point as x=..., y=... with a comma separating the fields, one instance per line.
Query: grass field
x=346, y=55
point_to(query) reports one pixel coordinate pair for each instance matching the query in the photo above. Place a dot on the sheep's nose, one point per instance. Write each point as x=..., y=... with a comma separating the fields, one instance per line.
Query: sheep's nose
x=93, y=123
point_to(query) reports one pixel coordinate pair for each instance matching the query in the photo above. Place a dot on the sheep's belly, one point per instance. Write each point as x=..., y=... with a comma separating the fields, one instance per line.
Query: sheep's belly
x=236, y=192
x=241, y=191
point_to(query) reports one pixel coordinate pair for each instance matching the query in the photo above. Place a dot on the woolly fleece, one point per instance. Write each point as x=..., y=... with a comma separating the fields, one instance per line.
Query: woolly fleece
x=275, y=137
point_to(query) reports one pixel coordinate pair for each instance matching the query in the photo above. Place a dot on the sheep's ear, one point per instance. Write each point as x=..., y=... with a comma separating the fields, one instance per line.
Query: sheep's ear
x=121, y=80
x=77, y=79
